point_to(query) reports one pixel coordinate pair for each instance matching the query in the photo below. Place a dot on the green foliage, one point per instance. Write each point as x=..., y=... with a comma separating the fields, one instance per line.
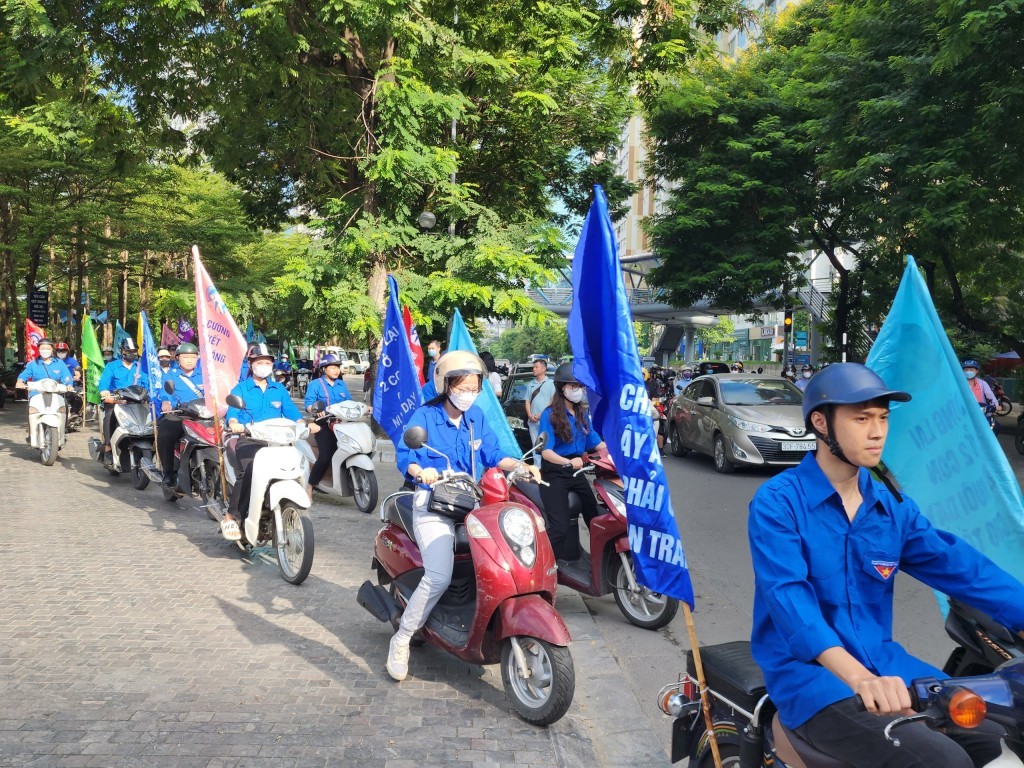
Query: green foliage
x=516, y=344
x=722, y=332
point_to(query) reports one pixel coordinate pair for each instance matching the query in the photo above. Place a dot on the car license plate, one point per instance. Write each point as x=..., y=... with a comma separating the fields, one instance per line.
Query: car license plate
x=804, y=445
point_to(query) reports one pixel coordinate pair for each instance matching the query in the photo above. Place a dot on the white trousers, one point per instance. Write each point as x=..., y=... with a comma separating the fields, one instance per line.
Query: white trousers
x=436, y=536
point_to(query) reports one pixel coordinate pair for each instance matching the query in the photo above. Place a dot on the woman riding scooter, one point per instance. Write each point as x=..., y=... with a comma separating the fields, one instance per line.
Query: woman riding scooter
x=570, y=435
x=458, y=430
x=327, y=388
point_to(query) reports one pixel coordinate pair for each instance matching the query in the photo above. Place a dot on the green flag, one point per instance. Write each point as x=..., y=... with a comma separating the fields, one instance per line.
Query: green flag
x=92, y=362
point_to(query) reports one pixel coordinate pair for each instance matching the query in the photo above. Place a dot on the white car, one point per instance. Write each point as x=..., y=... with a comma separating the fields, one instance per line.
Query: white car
x=360, y=360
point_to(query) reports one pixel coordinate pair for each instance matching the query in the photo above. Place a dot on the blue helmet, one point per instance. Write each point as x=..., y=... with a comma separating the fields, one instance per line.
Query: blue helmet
x=971, y=364
x=847, y=384
x=329, y=359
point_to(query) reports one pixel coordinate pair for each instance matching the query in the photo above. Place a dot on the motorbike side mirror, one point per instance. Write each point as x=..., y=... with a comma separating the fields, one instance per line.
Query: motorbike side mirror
x=318, y=406
x=235, y=402
x=706, y=401
x=169, y=387
x=542, y=440
x=415, y=437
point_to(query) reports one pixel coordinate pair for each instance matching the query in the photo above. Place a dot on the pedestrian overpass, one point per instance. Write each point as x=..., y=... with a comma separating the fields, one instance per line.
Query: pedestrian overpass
x=647, y=304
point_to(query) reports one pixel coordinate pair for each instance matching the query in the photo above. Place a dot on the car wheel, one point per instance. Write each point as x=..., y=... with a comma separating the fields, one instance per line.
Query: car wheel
x=675, y=441
x=722, y=463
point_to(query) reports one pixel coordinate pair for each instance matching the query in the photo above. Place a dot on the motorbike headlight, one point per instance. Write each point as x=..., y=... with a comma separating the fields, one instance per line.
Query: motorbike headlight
x=749, y=426
x=517, y=528
x=349, y=443
x=619, y=503
x=475, y=528
x=203, y=412
x=515, y=423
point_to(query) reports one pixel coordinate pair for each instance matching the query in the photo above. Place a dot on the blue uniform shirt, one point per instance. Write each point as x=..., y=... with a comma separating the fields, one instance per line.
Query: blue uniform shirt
x=115, y=375
x=454, y=441
x=54, y=369
x=322, y=389
x=71, y=363
x=261, y=405
x=821, y=582
x=186, y=388
x=581, y=441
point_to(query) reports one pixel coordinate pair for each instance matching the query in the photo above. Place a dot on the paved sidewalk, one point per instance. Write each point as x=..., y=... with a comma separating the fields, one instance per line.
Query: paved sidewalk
x=134, y=635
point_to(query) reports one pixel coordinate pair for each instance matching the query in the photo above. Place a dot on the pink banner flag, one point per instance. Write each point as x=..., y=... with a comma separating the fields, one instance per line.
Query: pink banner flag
x=414, y=342
x=169, y=338
x=221, y=344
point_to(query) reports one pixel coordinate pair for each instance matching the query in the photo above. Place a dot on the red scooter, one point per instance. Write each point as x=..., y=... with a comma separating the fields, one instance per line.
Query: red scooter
x=499, y=607
x=608, y=566
x=196, y=459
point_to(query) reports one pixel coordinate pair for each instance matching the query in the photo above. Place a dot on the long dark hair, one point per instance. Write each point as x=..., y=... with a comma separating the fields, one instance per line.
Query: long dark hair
x=560, y=418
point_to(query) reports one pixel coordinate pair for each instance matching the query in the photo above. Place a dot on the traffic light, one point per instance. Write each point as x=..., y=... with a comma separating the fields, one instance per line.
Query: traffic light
x=787, y=322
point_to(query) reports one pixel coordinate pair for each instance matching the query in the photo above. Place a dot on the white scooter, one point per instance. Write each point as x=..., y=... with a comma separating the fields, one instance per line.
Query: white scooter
x=277, y=499
x=46, y=415
x=352, y=472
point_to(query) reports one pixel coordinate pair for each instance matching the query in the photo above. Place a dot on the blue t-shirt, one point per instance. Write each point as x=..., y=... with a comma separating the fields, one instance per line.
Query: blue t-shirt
x=116, y=376
x=322, y=389
x=821, y=581
x=260, y=405
x=467, y=443
x=53, y=369
x=581, y=441
x=186, y=387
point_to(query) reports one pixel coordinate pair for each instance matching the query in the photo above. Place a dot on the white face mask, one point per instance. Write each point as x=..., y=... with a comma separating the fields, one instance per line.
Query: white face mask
x=262, y=370
x=573, y=395
x=807, y=374
x=432, y=352
x=464, y=400
x=62, y=355
x=46, y=354
x=970, y=374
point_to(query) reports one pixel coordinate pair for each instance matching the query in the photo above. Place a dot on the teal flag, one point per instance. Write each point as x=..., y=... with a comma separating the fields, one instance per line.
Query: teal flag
x=120, y=334
x=487, y=401
x=940, y=447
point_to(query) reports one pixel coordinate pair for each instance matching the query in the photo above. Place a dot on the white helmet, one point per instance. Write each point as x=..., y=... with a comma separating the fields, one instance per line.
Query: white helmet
x=456, y=363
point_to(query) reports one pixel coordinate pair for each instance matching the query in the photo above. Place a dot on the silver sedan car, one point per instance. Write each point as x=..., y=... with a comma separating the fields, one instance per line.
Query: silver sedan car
x=740, y=419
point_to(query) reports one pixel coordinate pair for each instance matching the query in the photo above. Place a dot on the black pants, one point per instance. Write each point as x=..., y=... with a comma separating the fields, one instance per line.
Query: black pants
x=241, y=454
x=109, y=422
x=856, y=737
x=326, y=444
x=168, y=433
x=564, y=532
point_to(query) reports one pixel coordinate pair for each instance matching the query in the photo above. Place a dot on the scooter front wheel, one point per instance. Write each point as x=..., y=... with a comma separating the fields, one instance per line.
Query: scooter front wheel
x=642, y=607
x=48, y=452
x=543, y=696
x=140, y=480
x=364, y=488
x=294, y=545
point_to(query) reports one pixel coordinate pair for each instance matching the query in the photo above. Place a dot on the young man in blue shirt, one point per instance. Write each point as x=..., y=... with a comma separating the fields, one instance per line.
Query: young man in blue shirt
x=116, y=375
x=46, y=366
x=827, y=540
x=188, y=385
x=264, y=399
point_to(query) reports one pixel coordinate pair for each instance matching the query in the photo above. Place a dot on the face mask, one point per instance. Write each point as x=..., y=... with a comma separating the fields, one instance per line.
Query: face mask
x=573, y=395
x=807, y=374
x=970, y=374
x=432, y=352
x=262, y=370
x=464, y=400
x=165, y=363
x=107, y=358
x=128, y=357
x=46, y=354
x=62, y=355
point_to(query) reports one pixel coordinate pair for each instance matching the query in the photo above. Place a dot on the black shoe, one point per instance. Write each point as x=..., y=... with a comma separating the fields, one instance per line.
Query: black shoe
x=108, y=459
x=169, y=479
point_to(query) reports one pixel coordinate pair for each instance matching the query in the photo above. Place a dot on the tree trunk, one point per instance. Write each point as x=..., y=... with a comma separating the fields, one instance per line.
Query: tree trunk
x=83, y=288
x=122, y=290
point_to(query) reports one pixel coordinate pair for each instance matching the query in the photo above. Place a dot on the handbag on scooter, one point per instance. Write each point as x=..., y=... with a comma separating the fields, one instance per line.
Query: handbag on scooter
x=453, y=499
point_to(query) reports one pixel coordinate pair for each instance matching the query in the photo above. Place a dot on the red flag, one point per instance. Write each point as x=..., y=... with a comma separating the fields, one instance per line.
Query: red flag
x=169, y=338
x=414, y=342
x=33, y=333
x=221, y=344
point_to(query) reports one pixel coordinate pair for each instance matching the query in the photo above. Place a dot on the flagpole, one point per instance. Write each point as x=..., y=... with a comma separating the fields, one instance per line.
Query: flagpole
x=701, y=684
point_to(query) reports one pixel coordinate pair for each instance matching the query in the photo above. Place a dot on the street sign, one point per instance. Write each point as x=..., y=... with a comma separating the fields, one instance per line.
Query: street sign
x=39, y=307
x=803, y=359
x=801, y=338
x=769, y=331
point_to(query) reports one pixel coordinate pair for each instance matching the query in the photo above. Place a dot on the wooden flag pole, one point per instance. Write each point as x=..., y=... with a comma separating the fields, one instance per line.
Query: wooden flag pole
x=699, y=666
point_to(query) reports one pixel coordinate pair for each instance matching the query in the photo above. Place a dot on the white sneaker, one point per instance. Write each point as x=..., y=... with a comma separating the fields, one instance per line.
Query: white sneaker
x=398, y=659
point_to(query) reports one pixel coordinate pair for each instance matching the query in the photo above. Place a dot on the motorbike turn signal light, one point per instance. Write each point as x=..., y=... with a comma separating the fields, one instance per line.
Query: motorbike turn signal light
x=966, y=708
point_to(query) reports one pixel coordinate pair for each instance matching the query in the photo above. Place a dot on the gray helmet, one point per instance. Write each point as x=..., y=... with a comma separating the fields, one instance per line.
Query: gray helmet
x=186, y=349
x=563, y=374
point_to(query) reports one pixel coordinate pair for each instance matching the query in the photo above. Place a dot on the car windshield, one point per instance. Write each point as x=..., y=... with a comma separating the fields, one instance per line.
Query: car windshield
x=760, y=392
x=517, y=393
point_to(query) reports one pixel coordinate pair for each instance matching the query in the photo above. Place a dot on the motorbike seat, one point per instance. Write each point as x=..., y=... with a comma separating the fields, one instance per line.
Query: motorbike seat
x=797, y=753
x=730, y=670
x=399, y=512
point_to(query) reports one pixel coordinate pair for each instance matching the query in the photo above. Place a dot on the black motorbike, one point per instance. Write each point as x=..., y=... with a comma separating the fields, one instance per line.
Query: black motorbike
x=988, y=659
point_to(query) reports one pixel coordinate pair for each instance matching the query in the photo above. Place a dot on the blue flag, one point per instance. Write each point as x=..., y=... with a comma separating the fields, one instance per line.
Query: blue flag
x=606, y=360
x=940, y=447
x=396, y=392
x=252, y=336
x=149, y=365
x=487, y=402
x=120, y=334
